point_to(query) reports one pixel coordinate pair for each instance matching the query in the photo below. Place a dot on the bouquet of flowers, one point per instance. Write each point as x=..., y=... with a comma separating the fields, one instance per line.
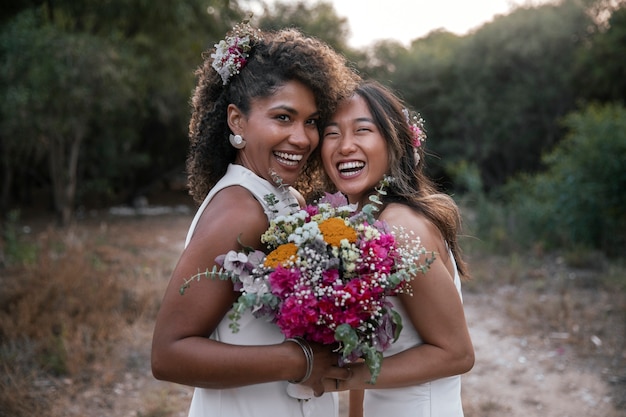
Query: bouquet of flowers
x=327, y=277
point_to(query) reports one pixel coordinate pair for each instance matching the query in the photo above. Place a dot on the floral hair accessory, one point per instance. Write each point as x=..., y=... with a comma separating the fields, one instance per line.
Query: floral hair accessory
x=231, y=54
x=416, y=124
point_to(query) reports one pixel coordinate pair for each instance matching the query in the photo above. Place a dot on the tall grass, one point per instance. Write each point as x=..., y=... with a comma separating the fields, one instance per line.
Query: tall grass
x=60, y=316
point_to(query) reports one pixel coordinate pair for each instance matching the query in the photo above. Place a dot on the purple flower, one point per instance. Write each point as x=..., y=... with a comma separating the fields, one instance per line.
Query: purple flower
x=235, y=262
x=384, y=334
x=239, y=263
x=335, y=200
x=255, y=259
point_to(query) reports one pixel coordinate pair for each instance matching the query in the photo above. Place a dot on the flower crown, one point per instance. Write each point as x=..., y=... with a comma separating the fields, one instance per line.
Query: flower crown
x=231, y=54
x=416, y=124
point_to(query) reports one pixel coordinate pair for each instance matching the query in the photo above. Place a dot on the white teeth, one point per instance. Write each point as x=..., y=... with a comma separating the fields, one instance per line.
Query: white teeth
x=350, y=165
x=289, y=156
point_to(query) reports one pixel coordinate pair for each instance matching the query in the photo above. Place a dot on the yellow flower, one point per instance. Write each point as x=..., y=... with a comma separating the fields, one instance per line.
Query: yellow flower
x=335, y=230
x=281, y=255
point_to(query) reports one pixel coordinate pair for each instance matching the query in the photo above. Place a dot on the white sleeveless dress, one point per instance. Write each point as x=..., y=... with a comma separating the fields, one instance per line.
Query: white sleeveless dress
x=260, y=400
x=439, y=398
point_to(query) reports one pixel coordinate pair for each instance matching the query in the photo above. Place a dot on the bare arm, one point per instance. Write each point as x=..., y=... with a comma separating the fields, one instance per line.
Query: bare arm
x=435, y=310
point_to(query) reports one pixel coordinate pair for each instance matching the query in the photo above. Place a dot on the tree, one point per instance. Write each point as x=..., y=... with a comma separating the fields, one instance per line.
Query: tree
x=165, y=40
x=424, y=75
x=511, y=82
x=317, y=19
x=115, y=76
x=601, y=67
x=58, y=86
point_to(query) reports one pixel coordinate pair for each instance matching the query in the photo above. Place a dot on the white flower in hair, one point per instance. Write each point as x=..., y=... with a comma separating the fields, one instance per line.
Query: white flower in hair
x=231, y=54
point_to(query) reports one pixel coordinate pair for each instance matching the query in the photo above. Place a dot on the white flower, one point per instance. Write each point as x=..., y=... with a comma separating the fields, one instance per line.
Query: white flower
x=306, y=233
x=350, y=208
x=252, y=285
x=235, y=262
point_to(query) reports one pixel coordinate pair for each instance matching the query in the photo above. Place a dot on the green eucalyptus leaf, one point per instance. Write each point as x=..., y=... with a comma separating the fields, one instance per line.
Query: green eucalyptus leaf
x=373, y=360
x=397, y=320
x=347, y=336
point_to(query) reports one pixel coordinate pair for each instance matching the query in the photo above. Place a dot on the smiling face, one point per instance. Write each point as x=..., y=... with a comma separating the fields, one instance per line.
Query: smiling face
x=280, y=131
x=354, y=151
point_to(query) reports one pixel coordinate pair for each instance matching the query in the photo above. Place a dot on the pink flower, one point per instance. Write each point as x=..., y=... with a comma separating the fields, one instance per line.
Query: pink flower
x=283, y=280
x=417, y=135
x=353, y=316
x=296, y=315
x=379, y=254
x=311, y=211
x=330, y=277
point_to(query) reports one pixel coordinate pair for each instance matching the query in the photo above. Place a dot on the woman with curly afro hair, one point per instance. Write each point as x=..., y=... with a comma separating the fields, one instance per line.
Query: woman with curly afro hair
x=259, y=103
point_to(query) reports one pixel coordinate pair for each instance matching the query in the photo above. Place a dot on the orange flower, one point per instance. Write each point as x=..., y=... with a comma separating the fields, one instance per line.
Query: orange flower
x=335, y=229
x=281, y=255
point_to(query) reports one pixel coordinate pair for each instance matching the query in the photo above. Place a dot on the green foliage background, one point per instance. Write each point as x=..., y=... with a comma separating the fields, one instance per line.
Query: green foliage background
x=579, y=199
x=525, y=115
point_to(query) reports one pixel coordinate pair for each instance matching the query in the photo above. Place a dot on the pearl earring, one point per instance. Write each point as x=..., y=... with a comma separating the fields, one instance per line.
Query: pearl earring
x=237, y=141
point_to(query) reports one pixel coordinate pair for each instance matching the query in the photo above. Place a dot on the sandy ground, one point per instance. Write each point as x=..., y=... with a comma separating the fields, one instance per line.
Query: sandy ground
x=526, y=376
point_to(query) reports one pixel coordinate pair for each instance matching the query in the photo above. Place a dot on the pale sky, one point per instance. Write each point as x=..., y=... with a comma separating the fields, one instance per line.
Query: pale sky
x=406, y=20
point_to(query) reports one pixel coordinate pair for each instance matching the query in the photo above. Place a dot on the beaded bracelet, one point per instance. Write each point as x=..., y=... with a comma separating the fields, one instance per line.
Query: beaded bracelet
x=308, y=354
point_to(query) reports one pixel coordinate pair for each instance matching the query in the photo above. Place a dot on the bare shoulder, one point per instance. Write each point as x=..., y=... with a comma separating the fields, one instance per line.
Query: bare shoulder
x=409, y=219
x=401, y=215
x=233, y=212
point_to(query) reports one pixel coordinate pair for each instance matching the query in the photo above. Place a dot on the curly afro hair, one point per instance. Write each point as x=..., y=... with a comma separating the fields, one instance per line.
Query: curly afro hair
x=274, y=59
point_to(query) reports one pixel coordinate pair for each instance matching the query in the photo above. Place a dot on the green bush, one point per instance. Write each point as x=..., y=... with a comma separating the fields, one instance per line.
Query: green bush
x=579, y=200
x=483, y=216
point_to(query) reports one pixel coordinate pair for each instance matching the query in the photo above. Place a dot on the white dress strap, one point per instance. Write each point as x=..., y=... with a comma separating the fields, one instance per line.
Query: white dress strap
x=259, y=187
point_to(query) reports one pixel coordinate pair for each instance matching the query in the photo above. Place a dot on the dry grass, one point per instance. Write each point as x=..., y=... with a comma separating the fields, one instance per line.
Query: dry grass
x=62, y=316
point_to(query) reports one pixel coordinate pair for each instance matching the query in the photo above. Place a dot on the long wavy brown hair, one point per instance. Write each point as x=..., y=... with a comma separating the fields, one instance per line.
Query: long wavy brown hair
x=410, y=185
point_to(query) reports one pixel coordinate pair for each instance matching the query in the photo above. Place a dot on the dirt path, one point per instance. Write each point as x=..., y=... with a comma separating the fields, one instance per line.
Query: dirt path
x=526, y=376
